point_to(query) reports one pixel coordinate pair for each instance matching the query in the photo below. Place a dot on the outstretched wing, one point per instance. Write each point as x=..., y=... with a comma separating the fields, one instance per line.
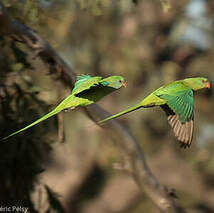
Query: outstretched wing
x=179, y=108
x=85, y=82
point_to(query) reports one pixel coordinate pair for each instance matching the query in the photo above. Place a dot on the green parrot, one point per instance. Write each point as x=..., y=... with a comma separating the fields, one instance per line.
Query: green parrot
x=87, y=90
x=177, y=100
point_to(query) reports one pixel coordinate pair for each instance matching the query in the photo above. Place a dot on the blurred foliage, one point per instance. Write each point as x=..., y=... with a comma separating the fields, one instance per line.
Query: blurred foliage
x=24, y=10
x=149, y=48
x=166, y=5
x=23, y=157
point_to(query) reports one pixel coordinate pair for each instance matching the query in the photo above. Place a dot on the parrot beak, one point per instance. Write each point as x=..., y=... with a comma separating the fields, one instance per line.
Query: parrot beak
x=208, y=85
x=124, y=84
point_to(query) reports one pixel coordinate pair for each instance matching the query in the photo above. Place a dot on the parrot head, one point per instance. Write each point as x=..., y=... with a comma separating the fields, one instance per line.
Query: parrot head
x=115, y=82
x=197, y=83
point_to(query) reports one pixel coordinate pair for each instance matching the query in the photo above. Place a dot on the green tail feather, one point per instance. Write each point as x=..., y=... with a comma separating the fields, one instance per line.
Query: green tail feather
x=121, y=113
x=53, y=112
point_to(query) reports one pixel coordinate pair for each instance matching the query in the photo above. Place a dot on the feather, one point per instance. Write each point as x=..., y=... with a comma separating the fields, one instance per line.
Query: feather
x=83, y=77
x=183, y=131
x=85, y=83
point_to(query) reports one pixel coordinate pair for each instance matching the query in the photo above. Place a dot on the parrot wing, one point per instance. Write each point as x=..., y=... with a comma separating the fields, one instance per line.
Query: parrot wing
x=179, y=108
x=85, y=82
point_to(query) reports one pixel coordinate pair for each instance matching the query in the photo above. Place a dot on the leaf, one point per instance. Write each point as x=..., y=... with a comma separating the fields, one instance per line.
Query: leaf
x=166, y=5
x=17, y=67
x=93, y=5
x=96, y=8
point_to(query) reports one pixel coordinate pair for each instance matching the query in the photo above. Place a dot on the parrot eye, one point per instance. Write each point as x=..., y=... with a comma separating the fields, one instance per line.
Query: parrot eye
x=120, y=81
x=203, y=81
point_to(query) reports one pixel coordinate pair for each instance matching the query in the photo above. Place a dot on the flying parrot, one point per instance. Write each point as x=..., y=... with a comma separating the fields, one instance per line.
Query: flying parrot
x=87, y=90
x=177, y=100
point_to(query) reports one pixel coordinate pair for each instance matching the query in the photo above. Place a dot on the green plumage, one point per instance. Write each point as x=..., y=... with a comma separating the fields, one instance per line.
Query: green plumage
x=87, y=90
x=85, y=82
x=176, y=99
x=182, y=103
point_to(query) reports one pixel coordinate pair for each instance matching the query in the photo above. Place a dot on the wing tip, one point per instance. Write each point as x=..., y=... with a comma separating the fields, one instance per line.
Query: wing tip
x=183, y=131
x=184, y=145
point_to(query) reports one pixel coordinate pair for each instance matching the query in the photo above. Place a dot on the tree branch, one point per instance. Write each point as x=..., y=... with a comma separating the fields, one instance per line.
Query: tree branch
x=142, y=173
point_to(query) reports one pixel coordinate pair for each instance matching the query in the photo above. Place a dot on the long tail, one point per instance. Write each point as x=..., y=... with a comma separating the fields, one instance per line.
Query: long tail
x=53, y=112
x=133, y=108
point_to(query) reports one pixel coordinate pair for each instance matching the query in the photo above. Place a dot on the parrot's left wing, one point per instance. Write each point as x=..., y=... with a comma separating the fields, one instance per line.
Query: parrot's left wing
x=179, y=108
x=85, y=82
